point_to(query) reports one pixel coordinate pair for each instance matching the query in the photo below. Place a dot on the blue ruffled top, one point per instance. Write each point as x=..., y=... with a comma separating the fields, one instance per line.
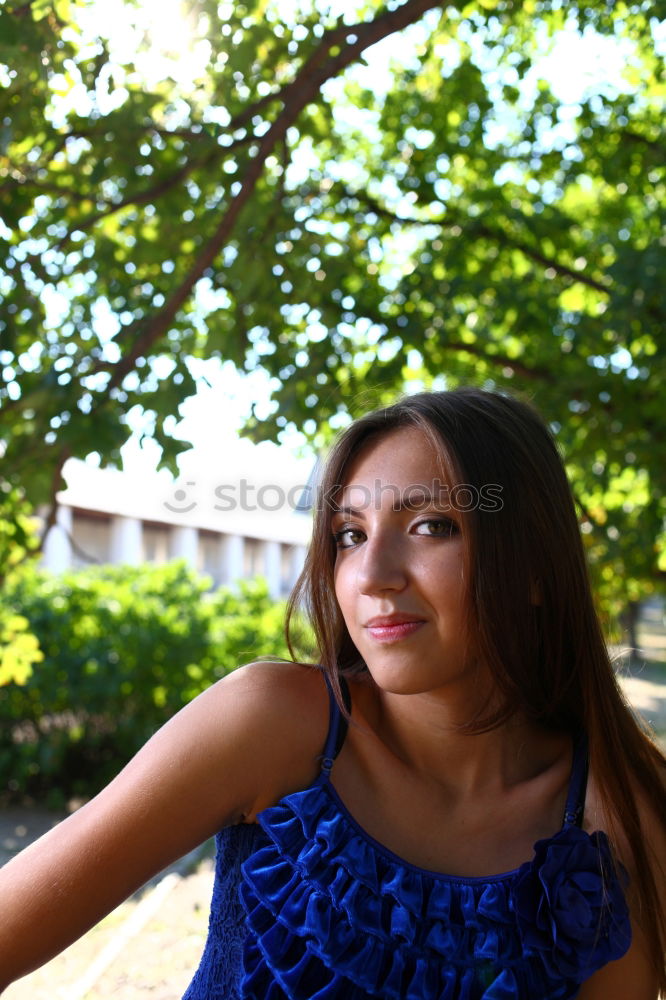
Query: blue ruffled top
x=308, y=906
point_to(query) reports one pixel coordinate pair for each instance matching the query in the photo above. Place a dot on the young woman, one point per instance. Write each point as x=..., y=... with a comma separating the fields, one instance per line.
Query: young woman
x=454, y=803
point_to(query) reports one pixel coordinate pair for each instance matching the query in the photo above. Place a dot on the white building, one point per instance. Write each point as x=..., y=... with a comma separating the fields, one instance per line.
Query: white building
x=235, y=521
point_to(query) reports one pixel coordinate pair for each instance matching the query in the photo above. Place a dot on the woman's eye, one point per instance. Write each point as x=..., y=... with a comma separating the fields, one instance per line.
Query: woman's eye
x=347, y=537
x=440, y=527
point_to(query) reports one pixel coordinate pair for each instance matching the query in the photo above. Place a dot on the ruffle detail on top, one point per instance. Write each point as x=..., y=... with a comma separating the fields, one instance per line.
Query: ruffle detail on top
x=332, y=915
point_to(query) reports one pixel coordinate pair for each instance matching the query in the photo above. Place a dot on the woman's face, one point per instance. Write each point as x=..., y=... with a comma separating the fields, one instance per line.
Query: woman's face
x=398, y=573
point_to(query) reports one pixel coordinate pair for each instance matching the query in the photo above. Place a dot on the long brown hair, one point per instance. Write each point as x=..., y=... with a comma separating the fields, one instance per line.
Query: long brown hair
x=530, y=600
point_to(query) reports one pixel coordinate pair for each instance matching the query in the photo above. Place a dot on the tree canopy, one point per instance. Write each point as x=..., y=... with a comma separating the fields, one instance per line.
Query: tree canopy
x=355, y=220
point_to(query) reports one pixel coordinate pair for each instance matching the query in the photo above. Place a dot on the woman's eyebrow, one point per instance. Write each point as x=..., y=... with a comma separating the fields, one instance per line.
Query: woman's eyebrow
x=352, y=511
x=412, y=498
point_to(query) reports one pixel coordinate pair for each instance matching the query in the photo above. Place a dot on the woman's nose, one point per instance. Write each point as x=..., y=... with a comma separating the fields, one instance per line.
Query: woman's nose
x=381, y=566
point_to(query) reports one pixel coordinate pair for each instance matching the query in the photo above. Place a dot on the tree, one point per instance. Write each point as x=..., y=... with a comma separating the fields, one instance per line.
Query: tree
x=351, y=239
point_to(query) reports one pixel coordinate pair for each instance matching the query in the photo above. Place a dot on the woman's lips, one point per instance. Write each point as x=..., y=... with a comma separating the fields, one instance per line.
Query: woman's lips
x=390, y=632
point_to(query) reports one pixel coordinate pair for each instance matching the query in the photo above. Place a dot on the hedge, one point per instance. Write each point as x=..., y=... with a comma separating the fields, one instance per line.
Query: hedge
x=124, y=649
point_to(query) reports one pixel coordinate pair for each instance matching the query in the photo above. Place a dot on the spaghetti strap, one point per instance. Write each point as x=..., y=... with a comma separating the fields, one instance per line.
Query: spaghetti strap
x=573, y=811
x=337, y=725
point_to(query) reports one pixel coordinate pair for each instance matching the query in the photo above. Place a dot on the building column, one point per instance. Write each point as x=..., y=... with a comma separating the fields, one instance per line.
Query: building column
x=296, y=560
x=57, y=551
x=184, y=544
x=272, y=567
x=231, y=559
x=126, y=541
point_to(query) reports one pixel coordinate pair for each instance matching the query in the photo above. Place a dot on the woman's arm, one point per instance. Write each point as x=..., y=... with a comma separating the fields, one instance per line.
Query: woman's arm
x=247, y=741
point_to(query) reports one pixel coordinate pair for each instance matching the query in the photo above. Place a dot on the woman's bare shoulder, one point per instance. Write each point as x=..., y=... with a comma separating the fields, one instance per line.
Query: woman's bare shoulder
x=279, y=711
x=268, y=712
x=276, y=694
x=282, y=678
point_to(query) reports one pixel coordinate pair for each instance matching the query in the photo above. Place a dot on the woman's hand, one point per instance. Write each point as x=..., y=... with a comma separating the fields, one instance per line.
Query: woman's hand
x=247, y=741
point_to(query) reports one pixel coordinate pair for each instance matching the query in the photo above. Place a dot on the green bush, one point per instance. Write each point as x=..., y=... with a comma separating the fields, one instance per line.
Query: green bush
x=124, y=649
x=19, y=539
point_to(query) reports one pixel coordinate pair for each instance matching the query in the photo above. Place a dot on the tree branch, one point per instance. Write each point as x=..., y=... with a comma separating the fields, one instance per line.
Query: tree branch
x=24, y=180
x=22, y=10
x=636, y=137
x=52, y=513
x=140, y=198
x=330, y=39
x=320, y=67
x=471, y=227
x=563, y=270
x=151, y=194
x=480, y=351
